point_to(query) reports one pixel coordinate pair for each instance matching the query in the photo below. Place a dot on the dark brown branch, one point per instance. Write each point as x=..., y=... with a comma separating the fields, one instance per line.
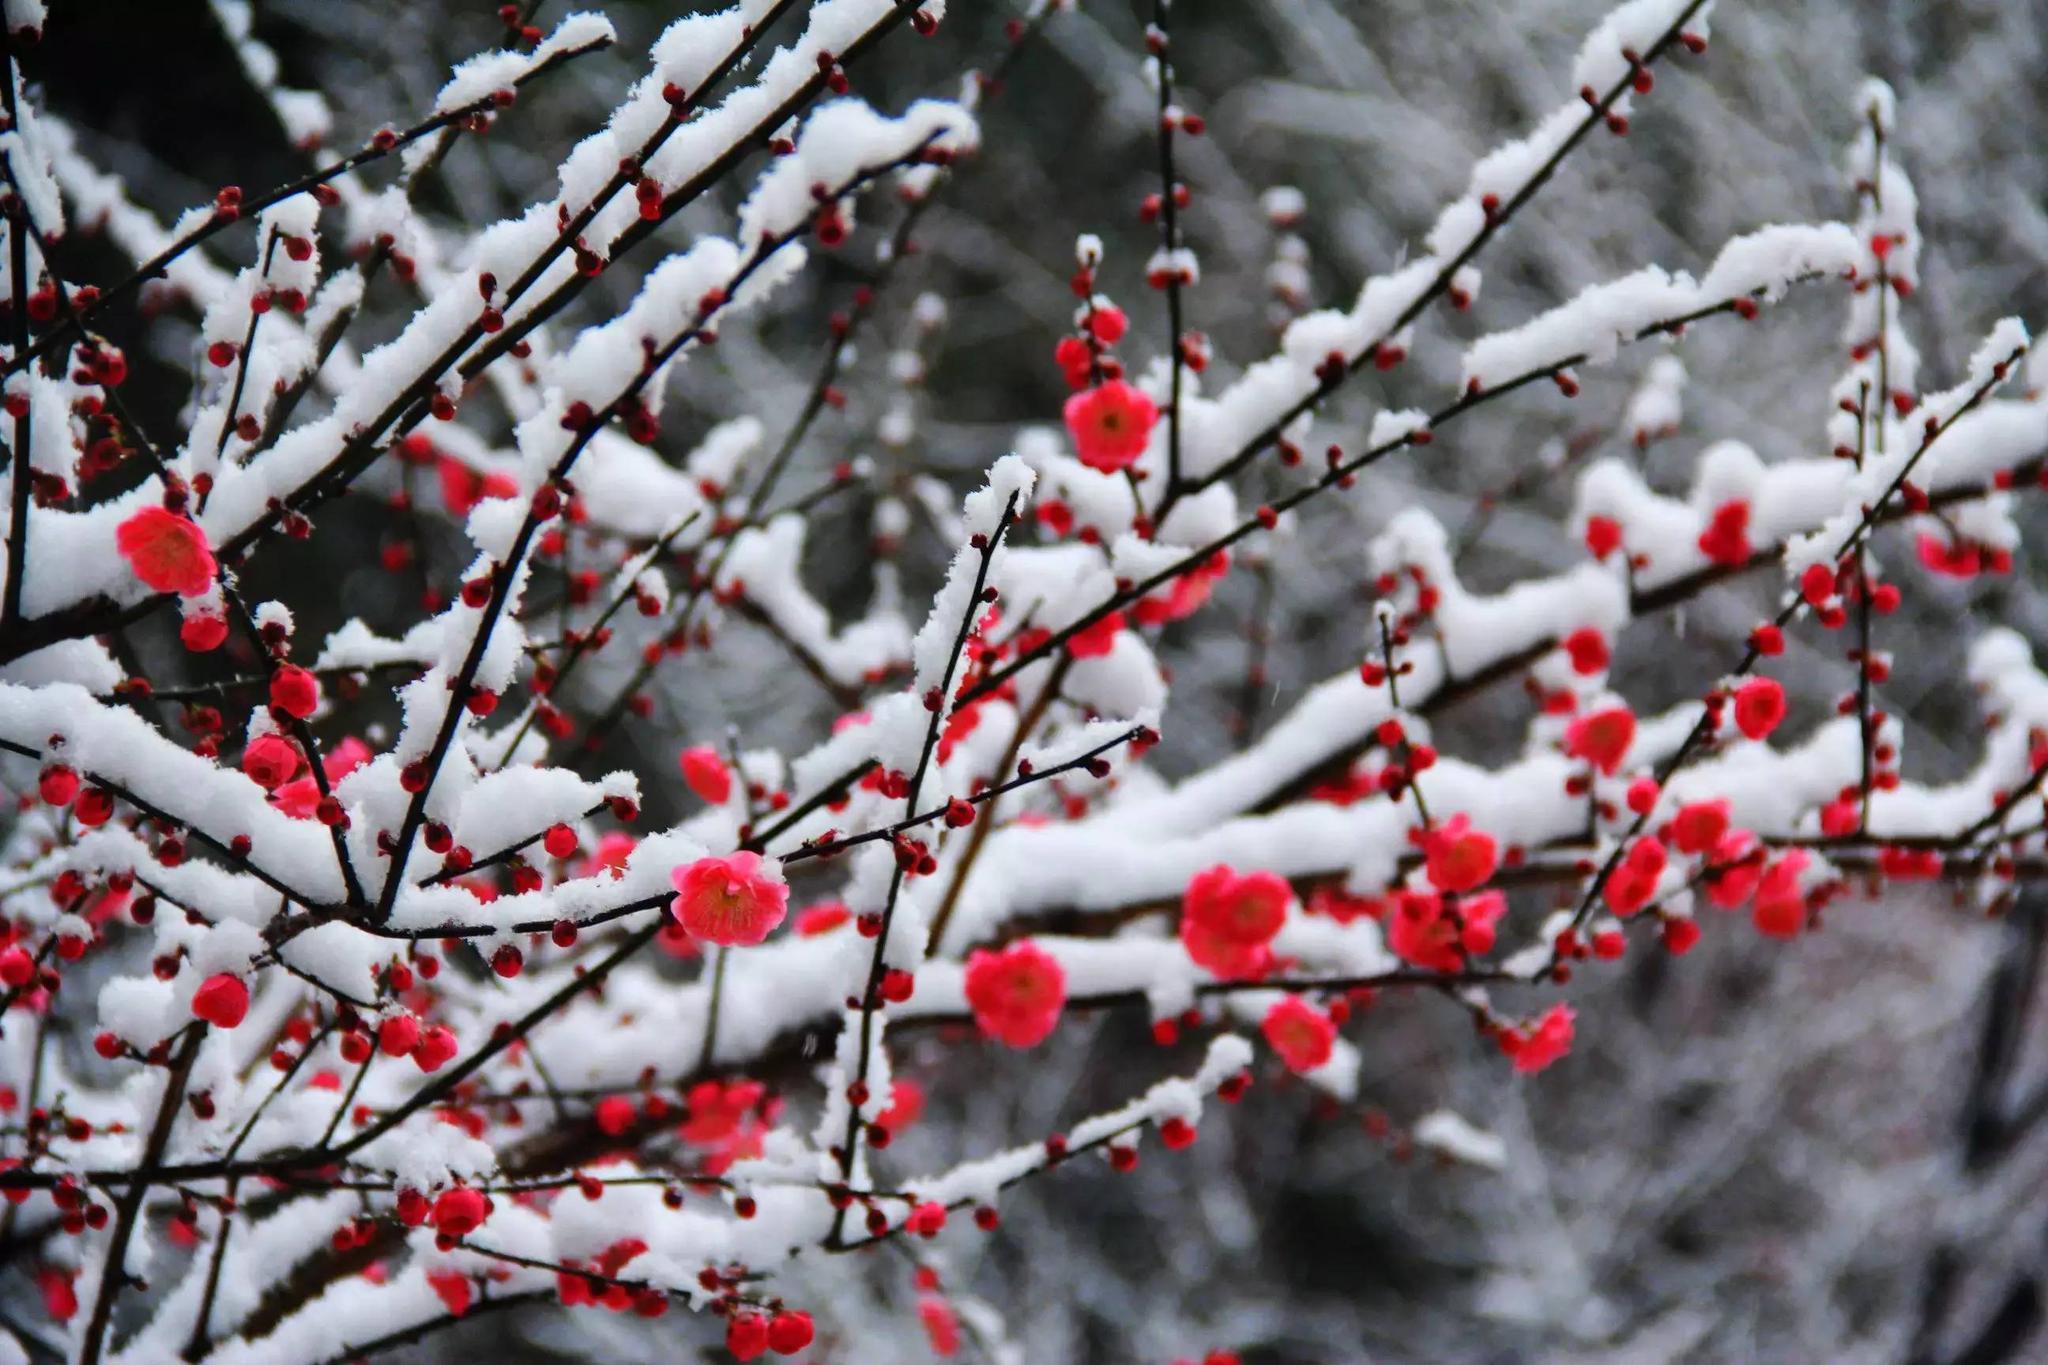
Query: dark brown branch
x=114, y=1273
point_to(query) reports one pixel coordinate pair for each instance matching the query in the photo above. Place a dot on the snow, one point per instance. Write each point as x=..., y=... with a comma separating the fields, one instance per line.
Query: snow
x=482, y=76
x=1283, y=203
x=1635, y=27
x=1594, y=325
x=1658, y=404
x=1768, y=259
x=843, y=140
x=764, y=562
x=22, y=14
x=1452, y=1135
x=1009, y=485
x=118, y=745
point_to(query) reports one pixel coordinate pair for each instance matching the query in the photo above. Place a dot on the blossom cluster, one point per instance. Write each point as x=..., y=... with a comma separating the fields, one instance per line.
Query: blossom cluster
x=397, y=1019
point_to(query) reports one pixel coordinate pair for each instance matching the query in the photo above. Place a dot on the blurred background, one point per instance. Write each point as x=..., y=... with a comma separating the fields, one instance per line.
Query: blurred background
x=1765, y=1153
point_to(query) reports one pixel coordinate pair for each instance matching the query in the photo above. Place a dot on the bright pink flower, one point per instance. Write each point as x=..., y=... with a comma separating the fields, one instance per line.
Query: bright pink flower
x=1957, y=559
x=221, y=1000
x=1459, y=858
x=746, y=1334
x=746, y=1143
x=822, y=918
x=460, y=1211
x=344, y=758
x=1699, y=826
x=1681, y=935
x=398, y=1034
x=613, y=1115
x=203, y=631
x=1726, y=539
x=167, y=551
x=941, y=1327
x=732, y=900
x=436, y=1048
x=60, y=1295
x=1588, y=650
x=718, y=1110
x=1110, y=425
x=706, y=774
x=906, y=1105
x=1737, y=870
x=1341, y=906
x=1227, y=920
x=1838, y=819
x=1547, y=1042
x=614, y=847
x=962, y=723
x=675, y=941
x=1099, y=639
x=1423, y=931
x=575, y=1288
x=1300, y=1033
x=1602, y=737
x=1603, y=536
x=1909, y=864
x=454, y=1290
x=94, y=808
x=270, y=761
x=789, y=1332
x=1780, y=909
x=294, y=691
x=463, y=488
x=1647, y=854
x=1016, y=994
x=300, y=797
x=1759, y=706
x=1187, y=594
x=1229, y=958
x=1818, y=584
x=1628, y=890
x=57, y=784
x=1245, y=907
x=1634, y=881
